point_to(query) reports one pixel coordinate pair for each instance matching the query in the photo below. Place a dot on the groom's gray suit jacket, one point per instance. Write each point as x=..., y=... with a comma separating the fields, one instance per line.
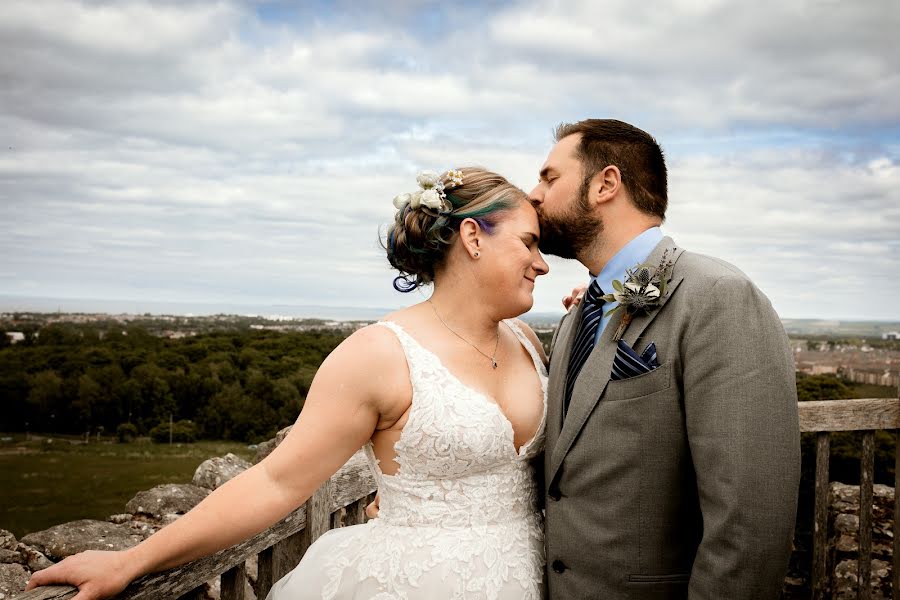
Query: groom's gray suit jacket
x=681, y=482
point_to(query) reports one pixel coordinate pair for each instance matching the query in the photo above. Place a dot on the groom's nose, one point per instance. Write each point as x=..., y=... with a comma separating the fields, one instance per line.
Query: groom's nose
x=536, y=196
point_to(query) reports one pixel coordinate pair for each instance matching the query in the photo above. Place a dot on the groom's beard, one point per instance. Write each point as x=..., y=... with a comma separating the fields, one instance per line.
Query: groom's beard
x=566, y=235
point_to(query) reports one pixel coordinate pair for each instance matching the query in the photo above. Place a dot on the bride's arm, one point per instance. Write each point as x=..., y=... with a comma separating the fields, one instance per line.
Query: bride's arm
x=345, y=402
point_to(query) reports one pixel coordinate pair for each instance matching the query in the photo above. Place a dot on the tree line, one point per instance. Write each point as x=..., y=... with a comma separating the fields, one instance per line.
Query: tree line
x=241, y=384
x=238, y=385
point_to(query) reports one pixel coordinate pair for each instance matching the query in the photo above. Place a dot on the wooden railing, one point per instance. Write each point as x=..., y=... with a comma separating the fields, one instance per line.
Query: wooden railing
x=341, y=501
x=869, y=415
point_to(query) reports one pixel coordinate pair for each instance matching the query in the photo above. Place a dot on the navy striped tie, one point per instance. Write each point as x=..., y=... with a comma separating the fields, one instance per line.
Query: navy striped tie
x=584, y=340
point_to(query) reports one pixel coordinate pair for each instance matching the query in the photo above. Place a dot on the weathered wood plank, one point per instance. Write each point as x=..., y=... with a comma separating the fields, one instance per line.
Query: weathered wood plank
x=49, y=592
x=820, y=522
x=185, y=578
x=233, y=582
x=867, y=470
x=850, y=415
x=353, y=481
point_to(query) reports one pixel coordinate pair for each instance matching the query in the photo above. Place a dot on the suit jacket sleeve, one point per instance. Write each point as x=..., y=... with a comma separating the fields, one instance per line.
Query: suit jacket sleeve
x=554, y=337
x=741, y=417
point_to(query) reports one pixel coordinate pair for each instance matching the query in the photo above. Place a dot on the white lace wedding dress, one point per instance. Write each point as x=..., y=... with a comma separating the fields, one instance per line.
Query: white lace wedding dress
x=458, y=520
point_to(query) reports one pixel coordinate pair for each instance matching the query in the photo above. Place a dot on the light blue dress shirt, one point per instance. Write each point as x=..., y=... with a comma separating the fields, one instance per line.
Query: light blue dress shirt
x=635, y=252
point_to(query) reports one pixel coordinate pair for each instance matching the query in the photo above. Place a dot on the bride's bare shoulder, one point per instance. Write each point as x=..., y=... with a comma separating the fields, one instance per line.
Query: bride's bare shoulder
x=368, y=367
x=377, y=346
x=373, y=343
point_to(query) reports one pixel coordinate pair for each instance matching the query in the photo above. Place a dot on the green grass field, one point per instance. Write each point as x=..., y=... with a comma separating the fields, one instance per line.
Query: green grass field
x=866, y=390
x=46, y=483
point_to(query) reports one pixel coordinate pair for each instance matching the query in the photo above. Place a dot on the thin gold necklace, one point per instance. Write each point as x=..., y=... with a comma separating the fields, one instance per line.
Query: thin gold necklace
x=491, y=358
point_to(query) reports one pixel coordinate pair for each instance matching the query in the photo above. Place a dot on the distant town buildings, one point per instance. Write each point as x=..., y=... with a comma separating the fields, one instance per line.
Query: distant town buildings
x=15, y=337
x=169, y=326
x=859, y=364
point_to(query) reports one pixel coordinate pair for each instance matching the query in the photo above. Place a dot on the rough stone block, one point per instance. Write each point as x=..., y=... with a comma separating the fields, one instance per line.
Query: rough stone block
x=13, y=578
x=71, y=538
x=215, y=471
x=166, y=499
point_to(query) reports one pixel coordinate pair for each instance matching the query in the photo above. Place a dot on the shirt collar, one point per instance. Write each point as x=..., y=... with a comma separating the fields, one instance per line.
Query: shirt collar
x=633, y=253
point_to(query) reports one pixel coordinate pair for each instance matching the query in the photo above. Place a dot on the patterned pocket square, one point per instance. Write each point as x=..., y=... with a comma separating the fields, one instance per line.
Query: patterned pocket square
x=628, y=364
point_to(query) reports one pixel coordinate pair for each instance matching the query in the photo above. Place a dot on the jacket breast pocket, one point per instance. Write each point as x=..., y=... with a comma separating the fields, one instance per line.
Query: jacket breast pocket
x=658, y=587
x=657, y=380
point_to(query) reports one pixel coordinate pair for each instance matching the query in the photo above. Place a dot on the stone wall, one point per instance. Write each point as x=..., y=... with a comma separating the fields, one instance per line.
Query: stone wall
x=843, y=547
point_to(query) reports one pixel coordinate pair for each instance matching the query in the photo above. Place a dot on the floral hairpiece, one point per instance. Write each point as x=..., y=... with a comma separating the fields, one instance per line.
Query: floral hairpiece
x=432, y=193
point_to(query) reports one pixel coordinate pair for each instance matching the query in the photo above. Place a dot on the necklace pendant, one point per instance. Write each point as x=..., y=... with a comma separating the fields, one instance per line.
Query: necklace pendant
x=493, y=363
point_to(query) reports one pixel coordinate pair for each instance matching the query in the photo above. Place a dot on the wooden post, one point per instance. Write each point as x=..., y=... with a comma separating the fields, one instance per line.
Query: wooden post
x=233, y=583
x=318, y=517
x=339, y=518
x=356, y=512
x=286, y=555
x=820, y=528
x=265, y=572
x=867, y=469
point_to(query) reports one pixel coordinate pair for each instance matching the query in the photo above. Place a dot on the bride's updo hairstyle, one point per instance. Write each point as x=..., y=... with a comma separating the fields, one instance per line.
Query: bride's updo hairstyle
x=420, y=237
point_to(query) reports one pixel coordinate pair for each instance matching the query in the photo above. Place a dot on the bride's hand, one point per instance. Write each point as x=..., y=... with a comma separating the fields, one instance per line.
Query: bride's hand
x=374, y=506
x=96, y=574
x=574, y=297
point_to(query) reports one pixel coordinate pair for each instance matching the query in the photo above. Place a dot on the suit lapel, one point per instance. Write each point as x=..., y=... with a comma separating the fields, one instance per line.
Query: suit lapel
x=594, y=376
x=559, y=368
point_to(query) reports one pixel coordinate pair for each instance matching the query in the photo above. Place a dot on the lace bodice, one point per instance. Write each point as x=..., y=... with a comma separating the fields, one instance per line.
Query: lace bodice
x=458, y=461
x=461, y=507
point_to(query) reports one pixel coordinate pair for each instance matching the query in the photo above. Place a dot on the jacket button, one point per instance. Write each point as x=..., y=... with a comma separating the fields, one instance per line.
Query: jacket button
x=554, y=493
x=558, y=566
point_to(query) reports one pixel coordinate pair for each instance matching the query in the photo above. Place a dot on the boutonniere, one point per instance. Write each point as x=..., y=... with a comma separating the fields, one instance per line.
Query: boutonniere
x=642, y=292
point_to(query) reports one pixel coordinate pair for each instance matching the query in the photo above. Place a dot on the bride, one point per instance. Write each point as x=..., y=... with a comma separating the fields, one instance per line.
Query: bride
x=448, y=397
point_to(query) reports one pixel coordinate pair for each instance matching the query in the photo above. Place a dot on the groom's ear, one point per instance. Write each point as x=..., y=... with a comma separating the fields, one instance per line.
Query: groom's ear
x=606, y=184
x=470, y=235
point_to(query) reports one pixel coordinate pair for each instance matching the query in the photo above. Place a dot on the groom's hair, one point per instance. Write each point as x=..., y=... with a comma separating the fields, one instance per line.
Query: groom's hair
x=640, y=160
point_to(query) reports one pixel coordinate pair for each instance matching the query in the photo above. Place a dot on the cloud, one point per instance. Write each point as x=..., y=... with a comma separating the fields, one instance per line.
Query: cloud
x=248, y=151
x=718, y=63
x=808, y=228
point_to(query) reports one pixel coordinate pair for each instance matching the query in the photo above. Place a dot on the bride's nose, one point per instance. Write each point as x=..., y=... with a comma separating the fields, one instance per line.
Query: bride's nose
x=540, y=266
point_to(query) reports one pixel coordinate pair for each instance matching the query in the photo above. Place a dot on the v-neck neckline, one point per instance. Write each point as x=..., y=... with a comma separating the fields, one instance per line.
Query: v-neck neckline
x=542, y=380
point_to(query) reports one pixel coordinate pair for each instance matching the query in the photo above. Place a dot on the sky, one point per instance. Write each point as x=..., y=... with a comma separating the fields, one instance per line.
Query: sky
x=247, y=152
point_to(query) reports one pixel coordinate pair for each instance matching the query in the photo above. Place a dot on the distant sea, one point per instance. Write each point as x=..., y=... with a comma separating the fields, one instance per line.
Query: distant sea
x=197, y=309
x=848, y=327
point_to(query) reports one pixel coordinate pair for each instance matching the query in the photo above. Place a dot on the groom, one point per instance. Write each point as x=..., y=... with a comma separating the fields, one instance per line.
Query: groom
x=673, y=455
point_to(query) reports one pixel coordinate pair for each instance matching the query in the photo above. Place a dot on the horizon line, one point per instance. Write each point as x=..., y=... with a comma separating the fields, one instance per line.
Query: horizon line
x=257, y=305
